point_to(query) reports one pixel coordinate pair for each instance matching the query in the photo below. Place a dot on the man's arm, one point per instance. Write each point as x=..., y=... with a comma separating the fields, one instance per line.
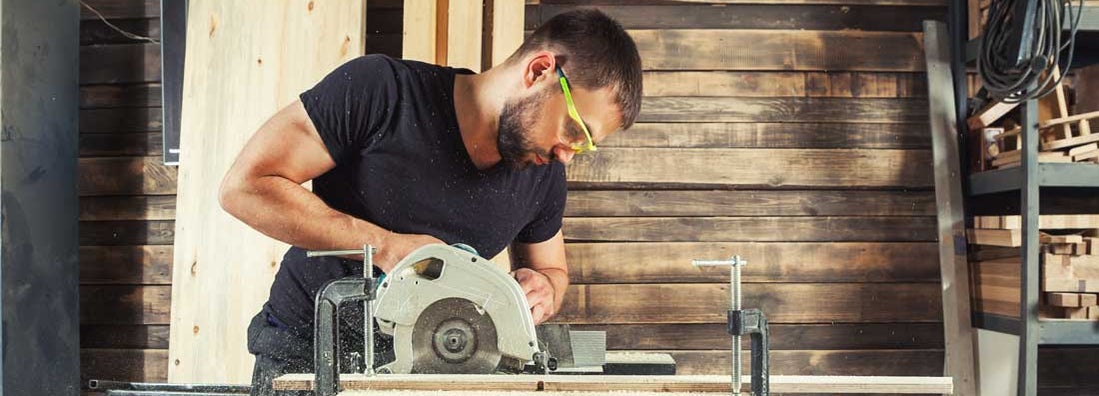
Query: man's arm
x=543, y=275
x=263, y=189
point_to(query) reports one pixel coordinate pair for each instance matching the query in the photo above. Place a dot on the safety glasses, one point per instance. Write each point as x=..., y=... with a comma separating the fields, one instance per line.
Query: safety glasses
x=579, y=148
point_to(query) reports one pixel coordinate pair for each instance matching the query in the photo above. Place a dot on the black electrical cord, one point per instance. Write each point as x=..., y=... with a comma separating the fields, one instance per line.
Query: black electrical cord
x=1009, y=80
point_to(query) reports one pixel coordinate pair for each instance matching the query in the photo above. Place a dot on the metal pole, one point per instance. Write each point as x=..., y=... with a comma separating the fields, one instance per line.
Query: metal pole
x=368, y=315
x=734, y=296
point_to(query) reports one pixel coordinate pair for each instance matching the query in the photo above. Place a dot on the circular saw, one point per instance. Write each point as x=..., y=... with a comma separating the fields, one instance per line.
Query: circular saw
x=451, y=311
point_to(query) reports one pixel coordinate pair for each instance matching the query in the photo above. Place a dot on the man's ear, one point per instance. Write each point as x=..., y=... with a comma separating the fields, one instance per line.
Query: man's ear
x=538, y=67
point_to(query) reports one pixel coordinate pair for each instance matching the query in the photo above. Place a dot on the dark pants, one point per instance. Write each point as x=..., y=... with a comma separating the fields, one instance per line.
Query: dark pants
x=280, y=350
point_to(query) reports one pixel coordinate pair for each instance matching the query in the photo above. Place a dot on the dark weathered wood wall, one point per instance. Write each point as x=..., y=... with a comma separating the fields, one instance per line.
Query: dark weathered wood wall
x=127, y=195
x=794, y=135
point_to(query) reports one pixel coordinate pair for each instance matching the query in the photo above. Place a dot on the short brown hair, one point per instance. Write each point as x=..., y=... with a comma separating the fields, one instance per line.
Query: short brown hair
x=598, y=53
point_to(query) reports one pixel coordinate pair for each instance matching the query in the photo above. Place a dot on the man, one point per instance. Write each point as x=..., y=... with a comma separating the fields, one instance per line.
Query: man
x=403, y=154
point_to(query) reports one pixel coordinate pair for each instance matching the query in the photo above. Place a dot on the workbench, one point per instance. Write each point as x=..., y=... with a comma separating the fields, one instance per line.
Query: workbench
x=664, y=385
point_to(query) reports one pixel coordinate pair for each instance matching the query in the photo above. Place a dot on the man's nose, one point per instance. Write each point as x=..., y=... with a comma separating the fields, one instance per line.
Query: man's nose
x=563, y=154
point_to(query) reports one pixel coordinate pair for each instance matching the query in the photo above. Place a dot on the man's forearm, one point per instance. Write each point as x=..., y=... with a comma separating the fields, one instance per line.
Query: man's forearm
x=284, y=210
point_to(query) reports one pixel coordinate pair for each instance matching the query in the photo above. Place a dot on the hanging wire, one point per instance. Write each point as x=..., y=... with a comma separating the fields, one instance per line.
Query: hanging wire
x=1011, y=82
x=118, y=29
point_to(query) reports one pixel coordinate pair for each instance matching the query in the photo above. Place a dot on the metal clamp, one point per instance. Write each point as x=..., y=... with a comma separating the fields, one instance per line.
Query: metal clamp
x=744, y=322
x=325, y=331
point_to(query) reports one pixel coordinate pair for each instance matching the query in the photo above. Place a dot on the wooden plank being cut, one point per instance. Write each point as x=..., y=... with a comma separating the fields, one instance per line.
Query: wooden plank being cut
x=538, y=384
x=246, y=56
x=1045, y=222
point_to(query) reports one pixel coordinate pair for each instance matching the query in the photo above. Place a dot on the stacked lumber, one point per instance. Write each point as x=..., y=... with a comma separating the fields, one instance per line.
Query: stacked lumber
x=1063, y=137
x=1069, y=265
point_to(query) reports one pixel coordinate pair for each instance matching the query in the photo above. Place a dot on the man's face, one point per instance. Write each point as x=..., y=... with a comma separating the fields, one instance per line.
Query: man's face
x=536, y=129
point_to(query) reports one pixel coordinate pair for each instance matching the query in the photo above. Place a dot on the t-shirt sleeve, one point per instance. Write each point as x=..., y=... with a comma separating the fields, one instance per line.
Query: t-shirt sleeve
x=352, y=104
x=548, y=219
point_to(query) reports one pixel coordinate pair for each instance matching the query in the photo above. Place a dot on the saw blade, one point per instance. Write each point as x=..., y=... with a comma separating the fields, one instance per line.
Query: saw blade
x=452, y=336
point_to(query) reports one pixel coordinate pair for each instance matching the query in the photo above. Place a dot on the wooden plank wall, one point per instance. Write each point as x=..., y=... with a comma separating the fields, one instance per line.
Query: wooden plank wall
x=127, y=195
x=795, y=135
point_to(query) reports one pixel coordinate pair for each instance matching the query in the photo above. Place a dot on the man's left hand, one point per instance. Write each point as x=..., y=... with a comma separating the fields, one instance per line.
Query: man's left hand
x=539, y=293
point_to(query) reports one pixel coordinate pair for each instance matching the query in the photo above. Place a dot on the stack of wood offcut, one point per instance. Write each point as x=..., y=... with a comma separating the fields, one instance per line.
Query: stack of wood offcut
x=1063, y=137
x=1069, y=272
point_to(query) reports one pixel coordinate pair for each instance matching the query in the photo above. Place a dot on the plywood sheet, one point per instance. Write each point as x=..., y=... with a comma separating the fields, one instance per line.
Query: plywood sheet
x=245, y=61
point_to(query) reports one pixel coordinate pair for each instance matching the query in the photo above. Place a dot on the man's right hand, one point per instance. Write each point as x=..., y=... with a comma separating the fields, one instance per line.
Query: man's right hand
x=396, y=247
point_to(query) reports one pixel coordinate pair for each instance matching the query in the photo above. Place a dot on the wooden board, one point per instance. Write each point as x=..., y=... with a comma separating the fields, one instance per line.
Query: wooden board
x=116, y=304
x=755, y=229
x=623, y=383
x=784, y=84
x=737, y=109
x=111, y=64
x=125, y=336
x=998, y=237
x=773, y=15
x=130, y=144
x=506, y=29
x=706, y=49
x=121, y=120
x=114, y=95
x=248, y=55
x=145, y=265
x=783, y=303
x=419, y=38
x=147, y=207
x=772, y=135
x=771, y=262
x=960, y=335
x=148, y=365
x=755, y=167
x=464, y=46
x=1046, y=222
x=114, y=233
x=750, y=203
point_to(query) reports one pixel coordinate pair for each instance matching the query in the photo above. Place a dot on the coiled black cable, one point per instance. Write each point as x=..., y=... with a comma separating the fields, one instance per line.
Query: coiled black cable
x=1009, y=80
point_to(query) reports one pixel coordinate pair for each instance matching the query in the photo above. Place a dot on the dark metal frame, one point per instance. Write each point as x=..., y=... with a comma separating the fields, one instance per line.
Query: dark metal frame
x=753, y=322
x=326, y=332
x=1027, y=178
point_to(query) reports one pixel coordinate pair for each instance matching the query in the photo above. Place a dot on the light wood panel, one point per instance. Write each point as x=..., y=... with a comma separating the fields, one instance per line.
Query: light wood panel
x=506, y=27
x=419, y=36
x=464, y=44
x=755, y=167
x=783, y=303
x=246, y=55
x=755, y=229
x=669, y=262
x=714, y=49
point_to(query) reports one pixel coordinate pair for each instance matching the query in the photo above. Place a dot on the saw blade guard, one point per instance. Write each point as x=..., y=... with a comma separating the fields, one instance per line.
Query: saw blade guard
x=438, y=272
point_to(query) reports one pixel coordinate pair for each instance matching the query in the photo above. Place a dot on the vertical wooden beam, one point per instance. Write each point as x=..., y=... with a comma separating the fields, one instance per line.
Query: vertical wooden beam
x=244, y=62
x=419, y=39
x=507, y=29
x=960, y=335
x=464, y=34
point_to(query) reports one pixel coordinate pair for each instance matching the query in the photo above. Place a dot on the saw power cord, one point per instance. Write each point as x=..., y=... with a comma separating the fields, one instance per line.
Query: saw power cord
x=1011, y=80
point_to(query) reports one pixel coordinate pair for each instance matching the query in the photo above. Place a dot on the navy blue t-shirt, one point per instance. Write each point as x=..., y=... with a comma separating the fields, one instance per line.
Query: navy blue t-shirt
x=390, y=126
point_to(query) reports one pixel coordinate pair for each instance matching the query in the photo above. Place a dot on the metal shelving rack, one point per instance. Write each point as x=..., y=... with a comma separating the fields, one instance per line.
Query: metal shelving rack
x=1027, y=179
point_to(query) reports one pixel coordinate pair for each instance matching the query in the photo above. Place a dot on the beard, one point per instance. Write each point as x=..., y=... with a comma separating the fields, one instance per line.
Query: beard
x=513, y=139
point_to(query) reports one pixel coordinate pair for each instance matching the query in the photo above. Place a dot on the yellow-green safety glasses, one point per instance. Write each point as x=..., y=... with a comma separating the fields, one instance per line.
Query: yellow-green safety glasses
x=579, y=148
